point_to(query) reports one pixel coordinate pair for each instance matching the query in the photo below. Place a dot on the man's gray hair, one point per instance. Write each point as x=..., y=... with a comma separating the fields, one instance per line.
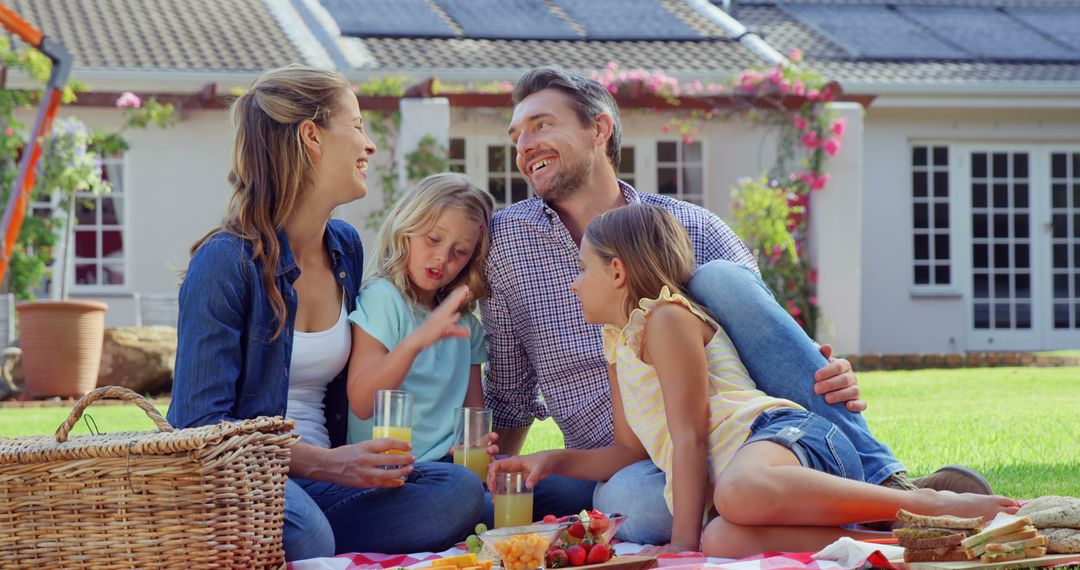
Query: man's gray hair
x=588, y=98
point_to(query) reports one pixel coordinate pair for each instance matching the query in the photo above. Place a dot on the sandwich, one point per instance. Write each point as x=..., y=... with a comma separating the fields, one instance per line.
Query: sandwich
x=1007, y=537
x=934, y=539
x=1004, y=551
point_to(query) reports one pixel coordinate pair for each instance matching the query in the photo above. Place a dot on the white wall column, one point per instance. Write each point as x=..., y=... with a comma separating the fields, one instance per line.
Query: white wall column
x=420, y=118
x=836, y=238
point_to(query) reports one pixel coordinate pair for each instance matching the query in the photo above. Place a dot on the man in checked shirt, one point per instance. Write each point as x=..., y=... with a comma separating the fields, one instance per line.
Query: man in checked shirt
x=544, y=360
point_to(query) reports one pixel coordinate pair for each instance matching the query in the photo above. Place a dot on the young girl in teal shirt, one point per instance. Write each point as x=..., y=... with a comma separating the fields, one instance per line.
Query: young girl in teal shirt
x=417, y=332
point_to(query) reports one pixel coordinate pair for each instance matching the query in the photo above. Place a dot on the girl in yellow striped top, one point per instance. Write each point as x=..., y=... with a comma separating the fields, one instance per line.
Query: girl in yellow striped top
x=780, y=478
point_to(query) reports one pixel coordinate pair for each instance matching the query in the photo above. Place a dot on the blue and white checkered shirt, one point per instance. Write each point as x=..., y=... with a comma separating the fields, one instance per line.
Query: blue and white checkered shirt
x=539, y=344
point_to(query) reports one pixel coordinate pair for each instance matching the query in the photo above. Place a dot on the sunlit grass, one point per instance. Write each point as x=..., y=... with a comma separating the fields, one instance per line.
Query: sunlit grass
x=1016, y=425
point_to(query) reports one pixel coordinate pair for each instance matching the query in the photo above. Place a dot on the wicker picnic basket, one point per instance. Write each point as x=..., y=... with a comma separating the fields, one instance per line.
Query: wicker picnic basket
x=206, y=497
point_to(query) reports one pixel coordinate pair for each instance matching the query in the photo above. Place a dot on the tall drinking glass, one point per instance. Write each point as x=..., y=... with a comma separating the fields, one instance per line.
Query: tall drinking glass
x=393, y=416
x=513, y=501
x=471, y=428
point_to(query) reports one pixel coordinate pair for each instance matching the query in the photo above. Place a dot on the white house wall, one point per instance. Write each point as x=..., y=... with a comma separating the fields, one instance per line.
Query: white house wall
x=735, y=149
x=895, y=318
x=176, y=185
x=175, y=191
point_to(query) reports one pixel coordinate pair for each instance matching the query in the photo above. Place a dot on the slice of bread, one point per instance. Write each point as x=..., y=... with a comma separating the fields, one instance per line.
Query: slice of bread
x=943, y=521
x=992, y=557
x=1062, y=540
x=1047, y=502
x=1057, y=517
x=1028, y=532
x=987, y=535
x=919, y=532
x=1017, y=546
x=945, y=554
x=949, y=540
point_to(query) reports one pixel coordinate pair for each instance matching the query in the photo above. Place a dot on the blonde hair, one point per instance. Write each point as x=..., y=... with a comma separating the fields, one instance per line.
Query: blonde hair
x=653, y=246
x=269, y=164
x=415, y=213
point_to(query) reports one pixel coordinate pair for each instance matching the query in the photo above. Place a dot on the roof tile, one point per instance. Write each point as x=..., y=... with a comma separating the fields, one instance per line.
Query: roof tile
x=187, y=35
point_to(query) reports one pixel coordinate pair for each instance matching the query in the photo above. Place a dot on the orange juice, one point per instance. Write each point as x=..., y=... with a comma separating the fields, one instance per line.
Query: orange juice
x=395, y=432
x=475, y=458
x=513, y=510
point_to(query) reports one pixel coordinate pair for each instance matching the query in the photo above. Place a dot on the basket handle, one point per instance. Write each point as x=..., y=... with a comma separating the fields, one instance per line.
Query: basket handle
x=112, y=392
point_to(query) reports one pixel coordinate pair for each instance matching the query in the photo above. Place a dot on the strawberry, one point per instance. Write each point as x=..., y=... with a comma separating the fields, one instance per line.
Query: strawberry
x=599, y=553
x=556, y=558
x=576, y=530
x=597, y=526
x=576, y=555
x=550, y=518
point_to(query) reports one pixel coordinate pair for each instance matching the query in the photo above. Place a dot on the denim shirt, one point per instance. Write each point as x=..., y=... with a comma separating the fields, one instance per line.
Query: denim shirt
x=228, y=365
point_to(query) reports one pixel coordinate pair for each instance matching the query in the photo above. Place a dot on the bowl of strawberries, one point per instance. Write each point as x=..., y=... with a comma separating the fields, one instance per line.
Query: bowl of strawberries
x=586, y=540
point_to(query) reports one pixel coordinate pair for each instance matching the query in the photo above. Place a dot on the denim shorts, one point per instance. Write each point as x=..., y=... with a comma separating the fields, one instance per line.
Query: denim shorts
x=815, y=441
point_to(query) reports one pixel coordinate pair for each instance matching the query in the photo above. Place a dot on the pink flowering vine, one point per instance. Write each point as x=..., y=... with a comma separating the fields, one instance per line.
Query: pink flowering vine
x=128, y=100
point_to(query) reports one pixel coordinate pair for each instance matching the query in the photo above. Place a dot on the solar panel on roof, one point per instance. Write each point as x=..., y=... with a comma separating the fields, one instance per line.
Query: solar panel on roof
x=1060, y=23
x=627, y=20
x=508, y=19
x=388, y=18
x=988, y=33
x=874, y=32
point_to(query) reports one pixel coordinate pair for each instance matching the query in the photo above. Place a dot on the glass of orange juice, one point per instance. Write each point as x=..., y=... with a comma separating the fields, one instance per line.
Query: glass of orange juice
x=513, y=501
x=393, y=416
x=471, y=429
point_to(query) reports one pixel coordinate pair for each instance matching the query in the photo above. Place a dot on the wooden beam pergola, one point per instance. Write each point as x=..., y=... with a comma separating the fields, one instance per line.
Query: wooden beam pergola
x=630, y=97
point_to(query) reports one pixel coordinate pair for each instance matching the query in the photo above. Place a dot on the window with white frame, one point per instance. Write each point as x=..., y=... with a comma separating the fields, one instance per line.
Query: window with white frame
x=680, y=170
x=504, y=181
x=1002, y=263
x=45, y=209
x=1065, y=238
x=98, y=239
x=627, y=165
x=456, y=155
x=930, y=216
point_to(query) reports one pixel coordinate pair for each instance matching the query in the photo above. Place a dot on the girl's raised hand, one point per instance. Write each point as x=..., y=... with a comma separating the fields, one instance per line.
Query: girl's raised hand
x=443, y=321
x=537, y=465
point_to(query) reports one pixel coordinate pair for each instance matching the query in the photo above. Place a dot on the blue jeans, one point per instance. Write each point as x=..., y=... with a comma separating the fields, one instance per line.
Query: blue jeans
x=637, y=491
x=437, y=507
x=815, y=442
x=554, y=495
x=782, y=361
x=779, y=356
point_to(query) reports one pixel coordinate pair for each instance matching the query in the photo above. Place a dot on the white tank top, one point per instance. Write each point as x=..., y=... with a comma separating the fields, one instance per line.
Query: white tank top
x=317, y=358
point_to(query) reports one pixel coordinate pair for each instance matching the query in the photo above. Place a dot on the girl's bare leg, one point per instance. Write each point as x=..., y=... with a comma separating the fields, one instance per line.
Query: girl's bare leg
x=766, y=487
x=727, y=540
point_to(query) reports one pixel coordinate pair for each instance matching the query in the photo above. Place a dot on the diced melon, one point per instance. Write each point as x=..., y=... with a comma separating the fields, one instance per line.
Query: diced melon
x=460, y=561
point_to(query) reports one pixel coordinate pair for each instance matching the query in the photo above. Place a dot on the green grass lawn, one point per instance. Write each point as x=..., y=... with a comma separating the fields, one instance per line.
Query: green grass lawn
x=1016, y=425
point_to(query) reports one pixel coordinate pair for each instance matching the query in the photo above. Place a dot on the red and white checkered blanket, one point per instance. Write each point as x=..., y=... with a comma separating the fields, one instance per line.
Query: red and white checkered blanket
x=685, y=561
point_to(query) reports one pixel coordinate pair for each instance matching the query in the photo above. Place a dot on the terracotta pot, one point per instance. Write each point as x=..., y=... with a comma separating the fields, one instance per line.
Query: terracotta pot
x=61, y=346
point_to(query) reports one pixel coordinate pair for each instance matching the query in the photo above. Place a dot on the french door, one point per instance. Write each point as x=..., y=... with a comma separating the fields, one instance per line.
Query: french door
x=1023, y=256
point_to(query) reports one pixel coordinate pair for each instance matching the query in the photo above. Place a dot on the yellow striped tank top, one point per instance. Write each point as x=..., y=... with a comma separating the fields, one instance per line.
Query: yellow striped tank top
x=734, y=400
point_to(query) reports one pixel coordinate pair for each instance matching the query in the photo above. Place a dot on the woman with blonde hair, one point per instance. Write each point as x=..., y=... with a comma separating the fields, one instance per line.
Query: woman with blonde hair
x=263, y=328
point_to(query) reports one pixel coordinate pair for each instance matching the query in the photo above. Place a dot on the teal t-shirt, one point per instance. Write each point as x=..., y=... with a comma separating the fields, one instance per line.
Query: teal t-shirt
x=439, y=376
